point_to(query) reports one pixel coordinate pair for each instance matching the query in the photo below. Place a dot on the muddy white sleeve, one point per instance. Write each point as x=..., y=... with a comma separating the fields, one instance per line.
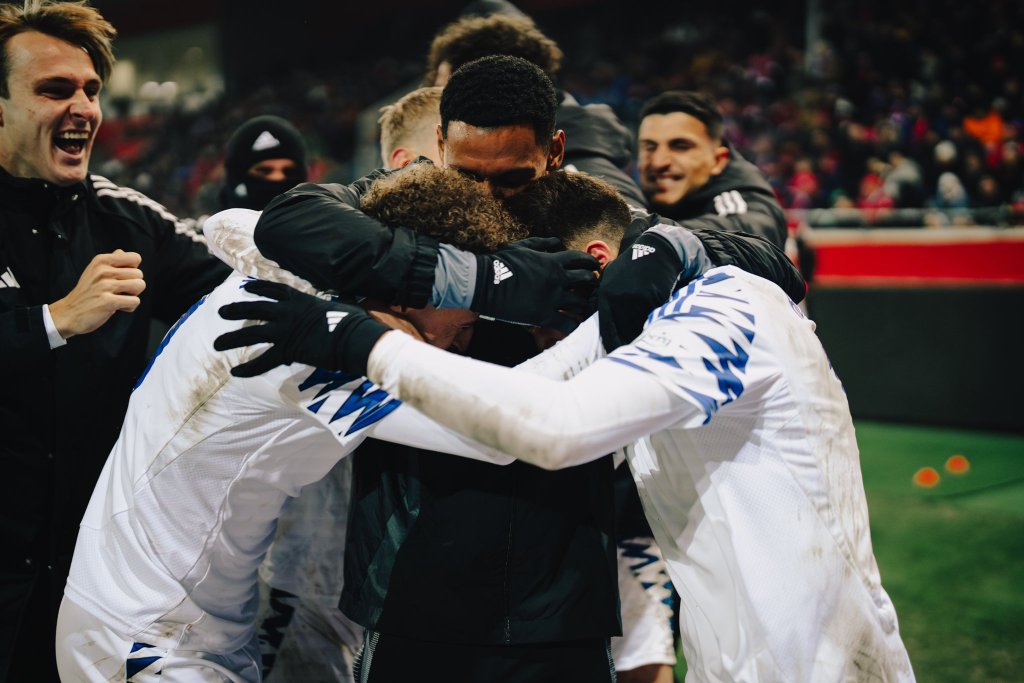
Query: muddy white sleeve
x=570, y=356
x=546, y=422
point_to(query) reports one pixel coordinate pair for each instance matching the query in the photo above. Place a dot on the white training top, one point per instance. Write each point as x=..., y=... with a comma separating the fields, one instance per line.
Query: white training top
x=187, y=503
x=753, y=487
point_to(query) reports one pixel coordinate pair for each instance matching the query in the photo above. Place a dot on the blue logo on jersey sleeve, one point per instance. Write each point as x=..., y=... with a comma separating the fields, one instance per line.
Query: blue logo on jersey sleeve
x=728, y=338
x=374, y=403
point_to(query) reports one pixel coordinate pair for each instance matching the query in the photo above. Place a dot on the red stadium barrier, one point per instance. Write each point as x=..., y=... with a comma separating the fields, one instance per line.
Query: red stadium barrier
x=922, y=257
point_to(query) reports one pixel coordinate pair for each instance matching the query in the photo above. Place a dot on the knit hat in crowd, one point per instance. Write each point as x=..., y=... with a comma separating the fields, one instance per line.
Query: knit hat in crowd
x=259, y=138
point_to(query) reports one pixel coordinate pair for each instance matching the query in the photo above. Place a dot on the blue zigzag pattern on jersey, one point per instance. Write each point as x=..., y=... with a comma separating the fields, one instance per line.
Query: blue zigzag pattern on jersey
x=637, y=551
x=728, y=383
x=375, y=406
x=726, y=362
x=374, y=402
x=331, y=379
x=136, y=664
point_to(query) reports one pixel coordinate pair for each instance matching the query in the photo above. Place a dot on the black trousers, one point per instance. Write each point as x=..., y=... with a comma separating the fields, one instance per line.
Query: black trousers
x=392, y=659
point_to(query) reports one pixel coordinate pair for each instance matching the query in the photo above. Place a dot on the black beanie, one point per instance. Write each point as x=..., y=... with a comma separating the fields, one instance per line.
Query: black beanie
x=259, y=138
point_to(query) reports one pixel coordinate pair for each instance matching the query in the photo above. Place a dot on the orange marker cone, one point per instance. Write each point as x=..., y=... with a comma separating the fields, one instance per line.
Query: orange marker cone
x=926, y=477
x=957, y=464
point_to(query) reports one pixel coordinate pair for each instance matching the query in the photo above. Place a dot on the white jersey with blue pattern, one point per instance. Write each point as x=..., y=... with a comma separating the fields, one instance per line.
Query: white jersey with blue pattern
x=755, y=493
x=188, y=500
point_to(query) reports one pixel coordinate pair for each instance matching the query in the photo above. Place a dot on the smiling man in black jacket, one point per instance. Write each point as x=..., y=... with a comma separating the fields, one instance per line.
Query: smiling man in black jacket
x=85, y=265
x=691, y=174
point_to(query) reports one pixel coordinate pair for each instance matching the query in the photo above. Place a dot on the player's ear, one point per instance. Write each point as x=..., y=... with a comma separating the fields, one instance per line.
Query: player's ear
x=556, y=153
x=600, y=250
x=721, y=159
x=400, y=157
x=440, y=145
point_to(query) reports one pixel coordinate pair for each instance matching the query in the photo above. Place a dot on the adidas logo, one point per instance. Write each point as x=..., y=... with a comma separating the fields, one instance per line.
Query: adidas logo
x=7, y=280
x=501, y=271
x=333, y=318
x=266, y=140
x=641, y=250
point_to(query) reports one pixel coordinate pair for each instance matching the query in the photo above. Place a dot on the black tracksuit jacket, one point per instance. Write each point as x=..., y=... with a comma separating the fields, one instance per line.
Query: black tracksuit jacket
x=61, y=410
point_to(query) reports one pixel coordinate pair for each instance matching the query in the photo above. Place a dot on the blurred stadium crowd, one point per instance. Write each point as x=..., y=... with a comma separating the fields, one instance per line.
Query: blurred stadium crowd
x=890, y=110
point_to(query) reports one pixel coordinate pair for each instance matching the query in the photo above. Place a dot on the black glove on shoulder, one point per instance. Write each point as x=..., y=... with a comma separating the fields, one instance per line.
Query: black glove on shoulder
x=638, y=281
x=301, y=328
x=535, y=282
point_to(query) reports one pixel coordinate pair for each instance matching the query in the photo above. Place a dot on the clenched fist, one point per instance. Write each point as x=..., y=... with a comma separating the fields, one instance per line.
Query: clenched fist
x=110, y=283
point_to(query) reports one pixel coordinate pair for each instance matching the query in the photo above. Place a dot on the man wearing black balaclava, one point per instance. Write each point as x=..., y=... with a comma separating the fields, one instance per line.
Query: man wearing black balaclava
x=264, y=157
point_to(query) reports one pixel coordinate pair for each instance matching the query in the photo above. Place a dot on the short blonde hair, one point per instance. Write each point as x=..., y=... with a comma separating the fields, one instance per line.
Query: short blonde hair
x=73, y=22
x=401, y=121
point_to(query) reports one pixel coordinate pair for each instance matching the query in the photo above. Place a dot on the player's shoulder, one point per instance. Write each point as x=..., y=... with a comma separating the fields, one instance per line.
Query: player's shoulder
x=123, y=199
x=723, y=295
x=130, y=204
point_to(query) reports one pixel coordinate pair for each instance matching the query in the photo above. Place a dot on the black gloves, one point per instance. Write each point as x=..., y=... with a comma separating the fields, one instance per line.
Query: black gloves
x=533, y=281
x=639, y=280
x=301, y=328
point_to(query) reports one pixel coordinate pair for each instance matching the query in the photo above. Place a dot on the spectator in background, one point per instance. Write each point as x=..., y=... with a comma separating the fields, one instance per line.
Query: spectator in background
x=987, y=193
x=264, y=157
x=871, y=194
x=985, y=124
x=904, y=181
x=950, y=192
x=85, y=265
x=972, y=170
x=1009, y=171
x=804, y=186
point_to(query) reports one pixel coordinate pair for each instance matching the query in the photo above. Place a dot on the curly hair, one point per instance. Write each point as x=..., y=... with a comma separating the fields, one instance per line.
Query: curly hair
x=443, y=204
x=572, y=206
x=499, y=91
x=471, y=38
x=73, y=22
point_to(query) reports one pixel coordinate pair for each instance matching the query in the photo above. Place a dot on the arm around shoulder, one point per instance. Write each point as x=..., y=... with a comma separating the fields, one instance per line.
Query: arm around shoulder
x=319, y=233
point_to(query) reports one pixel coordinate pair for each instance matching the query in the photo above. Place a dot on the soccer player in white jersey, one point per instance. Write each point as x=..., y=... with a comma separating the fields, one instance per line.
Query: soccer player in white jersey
x=163, y=581
x=752, y=481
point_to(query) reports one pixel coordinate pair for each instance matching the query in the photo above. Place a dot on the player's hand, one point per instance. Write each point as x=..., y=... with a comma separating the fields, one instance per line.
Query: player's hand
x=638, y=281
x=535, y=282
x=110, y=283
x=300, y=328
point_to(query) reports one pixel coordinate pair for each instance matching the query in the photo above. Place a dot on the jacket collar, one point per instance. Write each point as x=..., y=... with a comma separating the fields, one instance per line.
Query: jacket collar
x=35, y=192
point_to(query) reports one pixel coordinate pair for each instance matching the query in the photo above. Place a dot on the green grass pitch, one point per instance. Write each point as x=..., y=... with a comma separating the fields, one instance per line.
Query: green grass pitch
x=951, y=556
